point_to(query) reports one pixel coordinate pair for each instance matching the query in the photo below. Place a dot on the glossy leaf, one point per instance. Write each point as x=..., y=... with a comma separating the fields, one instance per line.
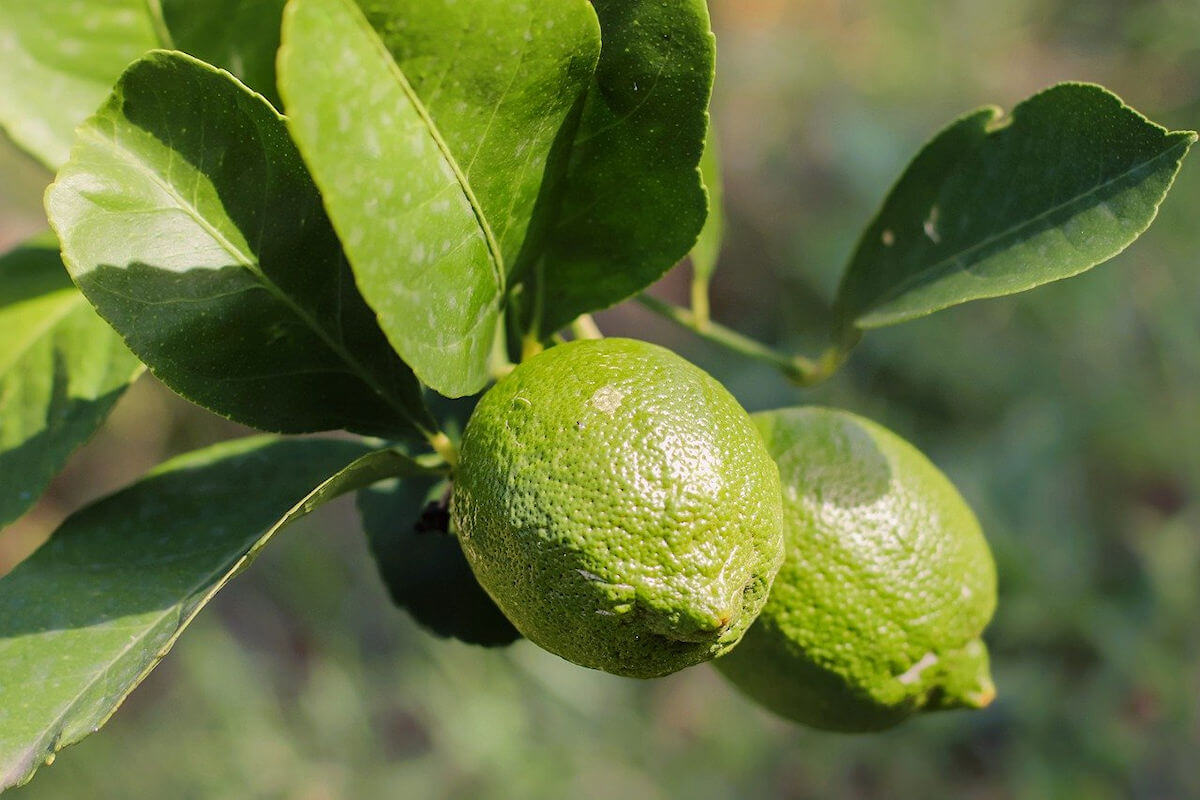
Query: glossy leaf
x=238, y=35
x=707, y=249
x=632, y=203
x=61, y=371
x=428, y=126
x=187, y=218
x=423, y=565
x=505, y=110
x=995, y=206
x=86, y=617
x=58, y=61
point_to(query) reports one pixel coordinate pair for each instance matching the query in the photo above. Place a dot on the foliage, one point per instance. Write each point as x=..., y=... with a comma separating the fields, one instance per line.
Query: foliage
x=179, y=220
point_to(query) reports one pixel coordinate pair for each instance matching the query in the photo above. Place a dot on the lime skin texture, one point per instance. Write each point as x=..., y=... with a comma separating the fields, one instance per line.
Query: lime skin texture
x=619, y=506
x=885, y=590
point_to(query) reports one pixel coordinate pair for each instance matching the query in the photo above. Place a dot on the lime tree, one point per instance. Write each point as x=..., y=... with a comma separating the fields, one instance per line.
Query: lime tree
x=620, y=507
x=886, y=587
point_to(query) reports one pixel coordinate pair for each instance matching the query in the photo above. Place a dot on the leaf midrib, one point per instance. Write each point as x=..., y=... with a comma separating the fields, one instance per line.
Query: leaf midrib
x=497, y=259
x=250, y=263
x=946, y=263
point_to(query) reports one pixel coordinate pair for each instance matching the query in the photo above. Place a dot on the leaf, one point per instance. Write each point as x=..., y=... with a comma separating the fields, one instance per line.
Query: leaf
x=238, y=35
x=90, y=614
x=632, y=201
x=58, y=61
x=423, y=566
x=992, y=207
x=61, y=371
x=189, y=222
x=708, y=247
x=430, y=145
x=505, y=111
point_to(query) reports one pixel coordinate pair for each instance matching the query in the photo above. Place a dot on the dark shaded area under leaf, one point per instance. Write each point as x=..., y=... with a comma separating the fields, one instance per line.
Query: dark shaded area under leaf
x=423, y=566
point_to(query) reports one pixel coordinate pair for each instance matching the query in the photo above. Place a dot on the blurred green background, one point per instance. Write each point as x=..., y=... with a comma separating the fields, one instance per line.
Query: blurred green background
x=1069, y=417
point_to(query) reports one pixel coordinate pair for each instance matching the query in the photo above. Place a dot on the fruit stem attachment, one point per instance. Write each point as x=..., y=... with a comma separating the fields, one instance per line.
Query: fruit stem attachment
x=799, y=369
x=445, y=448
x=530, y=347
x=584, y=327
x=499, y=364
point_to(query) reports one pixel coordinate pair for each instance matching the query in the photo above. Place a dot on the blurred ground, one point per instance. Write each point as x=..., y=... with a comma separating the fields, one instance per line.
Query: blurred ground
x=1069, y=417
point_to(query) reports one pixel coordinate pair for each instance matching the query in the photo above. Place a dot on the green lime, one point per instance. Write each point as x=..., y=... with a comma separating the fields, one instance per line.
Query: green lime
x=886, y=587
x=620, y=507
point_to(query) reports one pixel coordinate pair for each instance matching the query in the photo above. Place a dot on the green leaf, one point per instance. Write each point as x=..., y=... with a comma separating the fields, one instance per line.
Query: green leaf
x=632, y=201
x=423, y=565
x=996, y=206
x=707, y=249
x=61, y=371
x=59, y=60
x=238, y=35
x=86, y=617
x=430, y=145
x=188, y=220
x=505, y=111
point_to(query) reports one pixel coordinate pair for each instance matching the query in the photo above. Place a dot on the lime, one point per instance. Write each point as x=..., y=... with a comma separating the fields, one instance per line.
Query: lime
x=886, y=587
x=619, y=506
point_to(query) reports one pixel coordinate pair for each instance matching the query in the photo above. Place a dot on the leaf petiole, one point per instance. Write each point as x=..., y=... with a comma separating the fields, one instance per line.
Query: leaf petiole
x=699, y=301
x=801, y=370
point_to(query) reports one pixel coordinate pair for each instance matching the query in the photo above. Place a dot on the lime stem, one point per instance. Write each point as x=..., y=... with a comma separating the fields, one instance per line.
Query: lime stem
x=700, y=309
x=530, y=347
x=445, y=448
x=799, y=369
x=499, y=364
x=584, y=327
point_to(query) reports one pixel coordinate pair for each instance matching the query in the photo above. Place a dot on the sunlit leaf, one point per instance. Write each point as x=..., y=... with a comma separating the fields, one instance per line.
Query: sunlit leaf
x=62, y=369
x=187, y=218
x=994, y=206
x=91, y=613
x=632, y=203
x=58, y=61
x=429, y=127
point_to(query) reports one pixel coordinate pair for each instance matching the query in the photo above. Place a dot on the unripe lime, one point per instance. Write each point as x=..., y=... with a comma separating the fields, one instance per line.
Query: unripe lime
x=886, y=587
x=619, y=506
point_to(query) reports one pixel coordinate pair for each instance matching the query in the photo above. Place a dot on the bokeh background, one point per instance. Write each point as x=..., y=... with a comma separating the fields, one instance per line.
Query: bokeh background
x=1069, y=417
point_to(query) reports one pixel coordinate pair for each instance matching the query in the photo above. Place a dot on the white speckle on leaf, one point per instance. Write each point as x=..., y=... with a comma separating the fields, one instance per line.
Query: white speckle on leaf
x=888, y=237
x=931, y=226
x=371, y=143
